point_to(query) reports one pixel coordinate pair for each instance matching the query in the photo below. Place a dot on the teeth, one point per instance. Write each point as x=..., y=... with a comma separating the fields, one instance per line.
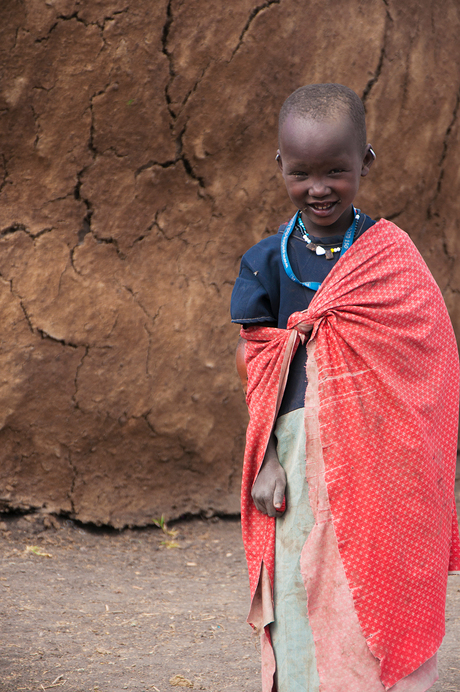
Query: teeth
x=327, y=205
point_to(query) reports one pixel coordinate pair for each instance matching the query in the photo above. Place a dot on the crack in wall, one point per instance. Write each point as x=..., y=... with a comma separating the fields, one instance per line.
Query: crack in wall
x=86, y=223
x=180, y=156
x=373, y=80
x=149, y=348
x=16, y=35
x=147, y=230
x=92, y=130
x=433, y=23
x=111, y=17
x=255, y=12
x=387, y=5
x=17, y=227
x=75, y=15
x=45, y=335
x=186, y=163
x=113, y=151
x=431, y=212
x=72, y=259
x=60, y=198
x=77, y=371
x=13, y=228
x=145, y=234
x=59, y=19
x=26, y=314
x=149, y=425
x=91, y=146
x=36, y=124
x=152, y=318
x=86, y=227
x=445, y=144
x=194, y=88
x=394, y=215
x=112, y=329
x=19, y=299
x=40, y=87
x=375, y=77
x=152, y=164
x=168, y=54
x=109, y=241
x=445, y=147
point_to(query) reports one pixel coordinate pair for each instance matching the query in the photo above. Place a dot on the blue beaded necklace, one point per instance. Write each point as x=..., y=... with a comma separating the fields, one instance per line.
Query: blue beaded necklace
x=347, y=243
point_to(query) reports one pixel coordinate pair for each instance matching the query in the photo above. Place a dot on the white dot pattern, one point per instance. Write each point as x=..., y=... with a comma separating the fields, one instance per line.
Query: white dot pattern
x=388, y=391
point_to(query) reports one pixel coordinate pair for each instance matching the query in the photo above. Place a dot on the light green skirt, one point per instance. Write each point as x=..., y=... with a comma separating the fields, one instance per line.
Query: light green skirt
x=291, y=633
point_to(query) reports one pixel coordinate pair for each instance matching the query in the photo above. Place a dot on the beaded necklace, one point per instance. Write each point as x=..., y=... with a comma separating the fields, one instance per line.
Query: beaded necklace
x=314, y=247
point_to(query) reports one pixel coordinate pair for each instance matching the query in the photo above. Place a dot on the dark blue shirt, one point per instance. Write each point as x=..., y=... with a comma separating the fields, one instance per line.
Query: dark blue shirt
x=264, y=294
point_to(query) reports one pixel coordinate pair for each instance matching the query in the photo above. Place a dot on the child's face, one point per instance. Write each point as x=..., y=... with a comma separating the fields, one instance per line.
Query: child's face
x=322, y=165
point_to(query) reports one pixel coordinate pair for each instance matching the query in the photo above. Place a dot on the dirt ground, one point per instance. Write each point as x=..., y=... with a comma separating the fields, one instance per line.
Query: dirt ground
x=92, y=610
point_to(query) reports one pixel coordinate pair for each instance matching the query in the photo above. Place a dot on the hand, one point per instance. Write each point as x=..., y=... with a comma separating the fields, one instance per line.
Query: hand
x=268, y=489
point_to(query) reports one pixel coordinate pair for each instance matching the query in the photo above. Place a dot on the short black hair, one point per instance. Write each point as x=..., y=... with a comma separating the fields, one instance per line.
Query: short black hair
x=322, y=101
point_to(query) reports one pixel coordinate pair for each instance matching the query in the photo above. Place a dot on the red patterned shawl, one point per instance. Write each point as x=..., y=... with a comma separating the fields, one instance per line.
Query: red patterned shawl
x=388, y=409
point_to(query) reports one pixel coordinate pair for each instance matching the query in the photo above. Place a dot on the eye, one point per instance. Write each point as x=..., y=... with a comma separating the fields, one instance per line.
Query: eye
x=299, y=174
x=336, y=170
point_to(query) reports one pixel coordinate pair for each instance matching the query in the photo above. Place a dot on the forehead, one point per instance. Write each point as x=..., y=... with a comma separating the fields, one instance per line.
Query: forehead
x=303, y=138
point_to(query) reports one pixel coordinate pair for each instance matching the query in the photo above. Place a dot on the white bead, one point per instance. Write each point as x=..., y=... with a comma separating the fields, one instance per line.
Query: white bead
x=320, y=250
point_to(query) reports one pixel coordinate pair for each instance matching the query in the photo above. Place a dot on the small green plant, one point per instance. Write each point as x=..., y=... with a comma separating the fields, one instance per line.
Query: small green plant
x=172, y=533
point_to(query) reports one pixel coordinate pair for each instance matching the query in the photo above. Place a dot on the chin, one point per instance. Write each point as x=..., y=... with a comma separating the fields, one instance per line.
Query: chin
x=324, y=220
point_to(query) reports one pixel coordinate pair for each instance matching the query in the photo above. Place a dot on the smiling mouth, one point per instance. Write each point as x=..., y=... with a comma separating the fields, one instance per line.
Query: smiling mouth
x=322, y=206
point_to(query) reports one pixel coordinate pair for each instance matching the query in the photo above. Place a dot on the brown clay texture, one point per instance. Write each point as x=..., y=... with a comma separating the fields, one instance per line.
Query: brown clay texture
x=136, y=167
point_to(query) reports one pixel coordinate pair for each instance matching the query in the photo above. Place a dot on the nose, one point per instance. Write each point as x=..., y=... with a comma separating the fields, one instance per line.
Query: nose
x=318, y=187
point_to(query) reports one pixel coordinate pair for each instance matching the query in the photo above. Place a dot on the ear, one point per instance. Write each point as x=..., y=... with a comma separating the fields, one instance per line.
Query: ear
x=368, y=160
x=279, y=160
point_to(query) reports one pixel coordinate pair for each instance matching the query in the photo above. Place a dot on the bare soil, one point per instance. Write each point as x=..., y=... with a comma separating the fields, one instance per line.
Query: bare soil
x=91, y=610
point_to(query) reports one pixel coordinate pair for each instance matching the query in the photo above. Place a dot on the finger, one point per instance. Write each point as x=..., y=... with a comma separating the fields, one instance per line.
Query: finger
x=282, y=509
x=265, y=505
x=260, y=505
x=272, y=512
x=278, y=495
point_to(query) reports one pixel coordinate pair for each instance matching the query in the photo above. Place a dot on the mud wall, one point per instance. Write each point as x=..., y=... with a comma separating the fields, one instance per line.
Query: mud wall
x=136, y=167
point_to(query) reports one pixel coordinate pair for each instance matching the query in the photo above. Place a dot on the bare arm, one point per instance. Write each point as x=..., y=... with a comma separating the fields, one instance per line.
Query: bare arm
x=268, y=490
x=270, y=485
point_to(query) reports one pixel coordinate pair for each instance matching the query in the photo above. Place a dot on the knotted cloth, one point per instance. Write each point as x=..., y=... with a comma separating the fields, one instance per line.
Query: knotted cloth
x=384, y=358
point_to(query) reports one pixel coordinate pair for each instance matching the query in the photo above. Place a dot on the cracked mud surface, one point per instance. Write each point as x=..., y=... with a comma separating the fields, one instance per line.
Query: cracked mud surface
x=137, y=146
x=101, y=611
